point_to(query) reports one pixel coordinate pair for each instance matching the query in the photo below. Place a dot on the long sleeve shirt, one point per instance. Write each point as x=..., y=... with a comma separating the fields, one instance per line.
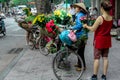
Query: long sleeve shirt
x=78, y=25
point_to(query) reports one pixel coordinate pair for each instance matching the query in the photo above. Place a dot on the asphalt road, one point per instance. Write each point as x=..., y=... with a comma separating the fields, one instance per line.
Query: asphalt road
x=14, y=40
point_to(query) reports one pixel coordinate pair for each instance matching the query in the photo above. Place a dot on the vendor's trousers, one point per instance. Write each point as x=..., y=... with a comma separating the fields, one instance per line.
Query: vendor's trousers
x=81, y=51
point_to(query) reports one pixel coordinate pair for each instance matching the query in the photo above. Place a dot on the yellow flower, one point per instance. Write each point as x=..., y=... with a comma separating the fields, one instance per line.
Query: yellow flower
x=43, y=19
x=24, y=8
x=69, y=15
x=39, y=19
x=57, y=13
x=34, y=21
x=42, y=15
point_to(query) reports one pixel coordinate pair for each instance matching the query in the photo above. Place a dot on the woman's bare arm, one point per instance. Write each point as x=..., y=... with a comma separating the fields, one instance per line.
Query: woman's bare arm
x=95, y=25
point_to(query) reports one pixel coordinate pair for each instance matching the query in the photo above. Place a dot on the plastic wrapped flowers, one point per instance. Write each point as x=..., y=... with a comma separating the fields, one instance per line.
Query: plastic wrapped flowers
x=30, y=17
x=52, y=28
x=40, y=20
x=62, y=17
x=27, y=11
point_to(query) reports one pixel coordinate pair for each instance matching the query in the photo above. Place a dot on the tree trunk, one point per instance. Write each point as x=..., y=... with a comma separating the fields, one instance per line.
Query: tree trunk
x=43, y=6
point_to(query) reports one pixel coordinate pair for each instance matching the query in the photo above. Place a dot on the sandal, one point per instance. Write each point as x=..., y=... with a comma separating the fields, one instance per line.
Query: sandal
x=79, y=69
x=76, y=65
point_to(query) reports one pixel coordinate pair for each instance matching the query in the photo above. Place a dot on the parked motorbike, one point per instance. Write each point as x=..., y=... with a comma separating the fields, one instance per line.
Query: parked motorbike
x=2, y=27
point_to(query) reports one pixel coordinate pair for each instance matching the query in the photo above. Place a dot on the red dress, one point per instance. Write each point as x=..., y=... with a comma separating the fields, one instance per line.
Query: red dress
x=102, y=37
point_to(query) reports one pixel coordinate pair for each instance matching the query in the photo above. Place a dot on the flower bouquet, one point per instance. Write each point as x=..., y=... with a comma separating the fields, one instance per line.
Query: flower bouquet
x=50, y=30
x=40, y=20
x=84, y=36
x=61, y=17
x=84, y=20
x=24, y=25
x=51, y=27
x=26, y=22
x=27, y=11
x=92, y=21
x=57, y=18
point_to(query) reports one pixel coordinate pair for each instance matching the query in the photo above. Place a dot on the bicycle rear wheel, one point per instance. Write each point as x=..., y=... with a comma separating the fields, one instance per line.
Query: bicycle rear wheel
x=32, y=41
x=42, y=46
x=64, y=66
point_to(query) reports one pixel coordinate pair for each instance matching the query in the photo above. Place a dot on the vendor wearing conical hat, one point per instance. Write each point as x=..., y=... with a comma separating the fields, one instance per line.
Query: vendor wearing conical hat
x=80, y=12
x=81, y=6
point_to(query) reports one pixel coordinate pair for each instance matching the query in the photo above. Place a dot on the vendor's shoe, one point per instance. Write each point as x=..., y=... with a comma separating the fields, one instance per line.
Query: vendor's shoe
x=76, y=65
x=78, y=69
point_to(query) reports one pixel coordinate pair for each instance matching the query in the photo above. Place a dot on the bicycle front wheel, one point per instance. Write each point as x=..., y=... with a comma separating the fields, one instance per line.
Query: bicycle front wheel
x=64, y=66
x=42, y=46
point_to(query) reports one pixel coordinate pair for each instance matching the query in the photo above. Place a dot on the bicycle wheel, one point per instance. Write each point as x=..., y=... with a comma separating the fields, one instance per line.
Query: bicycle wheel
x=42, y=46
x=64, y=66
x=32, y=41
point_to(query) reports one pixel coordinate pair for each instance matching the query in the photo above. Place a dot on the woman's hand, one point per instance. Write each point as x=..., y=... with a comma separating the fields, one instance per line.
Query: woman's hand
x=85, y=25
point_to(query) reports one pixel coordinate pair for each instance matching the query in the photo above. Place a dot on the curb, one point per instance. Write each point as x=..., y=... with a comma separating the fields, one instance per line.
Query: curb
x=5, y=72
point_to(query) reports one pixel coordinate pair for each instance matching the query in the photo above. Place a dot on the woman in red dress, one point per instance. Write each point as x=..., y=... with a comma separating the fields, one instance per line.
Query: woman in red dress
x=102, y=38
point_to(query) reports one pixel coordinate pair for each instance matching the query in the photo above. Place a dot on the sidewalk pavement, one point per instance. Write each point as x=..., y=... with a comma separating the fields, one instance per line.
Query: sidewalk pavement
x=35, y=66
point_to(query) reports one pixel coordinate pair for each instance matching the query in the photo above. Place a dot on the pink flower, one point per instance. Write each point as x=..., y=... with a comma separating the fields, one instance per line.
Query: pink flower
x=83, y=18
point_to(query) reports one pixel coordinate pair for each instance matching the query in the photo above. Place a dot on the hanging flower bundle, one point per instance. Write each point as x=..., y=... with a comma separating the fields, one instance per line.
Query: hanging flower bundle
x=84, y=36
x=30, y=17
x=84, y=21
x=40, y=20
x=27, y=11
x=52, y=28
x=62, y=17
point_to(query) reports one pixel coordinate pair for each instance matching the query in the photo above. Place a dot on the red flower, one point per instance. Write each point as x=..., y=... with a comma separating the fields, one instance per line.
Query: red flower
x=50, y=26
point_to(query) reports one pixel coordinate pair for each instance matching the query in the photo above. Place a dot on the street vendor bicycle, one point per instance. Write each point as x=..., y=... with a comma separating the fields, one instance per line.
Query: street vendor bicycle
x=66, y=58
x=34, y=37
x=33, y=33
x=64, y=63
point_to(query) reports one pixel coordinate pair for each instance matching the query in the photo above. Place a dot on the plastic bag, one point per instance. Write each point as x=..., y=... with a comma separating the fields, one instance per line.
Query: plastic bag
x=64, y=37
x=72, y=36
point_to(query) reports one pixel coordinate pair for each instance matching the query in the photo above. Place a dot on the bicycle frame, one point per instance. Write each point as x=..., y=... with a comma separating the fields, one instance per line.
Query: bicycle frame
x=34, y=36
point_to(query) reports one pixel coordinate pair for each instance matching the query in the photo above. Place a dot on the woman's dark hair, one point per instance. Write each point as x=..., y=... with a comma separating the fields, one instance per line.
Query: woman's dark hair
x=106, y=4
